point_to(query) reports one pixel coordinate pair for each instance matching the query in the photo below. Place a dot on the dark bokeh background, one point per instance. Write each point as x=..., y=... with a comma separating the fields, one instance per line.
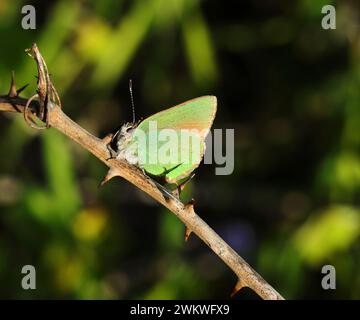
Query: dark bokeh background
x=288, y=87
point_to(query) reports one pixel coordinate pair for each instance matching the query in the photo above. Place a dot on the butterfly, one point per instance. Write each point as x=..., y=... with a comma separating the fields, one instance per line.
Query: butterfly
x=169, y=145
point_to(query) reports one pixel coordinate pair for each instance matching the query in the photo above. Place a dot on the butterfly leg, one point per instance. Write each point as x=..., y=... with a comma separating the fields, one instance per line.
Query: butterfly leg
x=165, y=192
x=111, y=151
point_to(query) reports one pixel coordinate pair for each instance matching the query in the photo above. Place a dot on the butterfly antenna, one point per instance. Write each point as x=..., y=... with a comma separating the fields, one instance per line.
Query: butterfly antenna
x=132, y=100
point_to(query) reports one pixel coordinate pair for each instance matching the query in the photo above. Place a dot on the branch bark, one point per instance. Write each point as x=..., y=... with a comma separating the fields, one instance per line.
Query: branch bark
x=247, y=276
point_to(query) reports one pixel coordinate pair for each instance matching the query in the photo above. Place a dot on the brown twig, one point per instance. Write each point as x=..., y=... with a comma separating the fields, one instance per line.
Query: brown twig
x=247, y=277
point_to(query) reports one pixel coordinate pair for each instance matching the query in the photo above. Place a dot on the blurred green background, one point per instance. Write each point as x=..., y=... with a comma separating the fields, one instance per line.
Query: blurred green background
x=288, y=87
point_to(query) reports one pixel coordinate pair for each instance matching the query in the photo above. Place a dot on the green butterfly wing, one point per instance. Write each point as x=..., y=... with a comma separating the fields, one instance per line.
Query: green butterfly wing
x=195, y=117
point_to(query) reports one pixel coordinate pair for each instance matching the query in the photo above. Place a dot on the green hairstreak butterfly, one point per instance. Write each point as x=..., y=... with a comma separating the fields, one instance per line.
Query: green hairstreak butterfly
x=171, y=143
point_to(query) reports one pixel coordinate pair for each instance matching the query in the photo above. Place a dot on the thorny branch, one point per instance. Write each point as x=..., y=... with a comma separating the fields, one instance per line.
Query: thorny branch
x=56, y=118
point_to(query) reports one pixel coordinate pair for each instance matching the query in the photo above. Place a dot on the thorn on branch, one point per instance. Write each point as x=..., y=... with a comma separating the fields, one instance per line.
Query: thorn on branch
x=187, y=233
x=110, y=174
x=189, y=207
x=239, y=285
x=21, y=89
x=108, y=138
x=12, y=92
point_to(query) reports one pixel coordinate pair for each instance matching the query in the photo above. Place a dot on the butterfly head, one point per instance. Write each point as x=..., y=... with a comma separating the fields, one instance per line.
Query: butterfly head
x=124, y=135
x=127, y=129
